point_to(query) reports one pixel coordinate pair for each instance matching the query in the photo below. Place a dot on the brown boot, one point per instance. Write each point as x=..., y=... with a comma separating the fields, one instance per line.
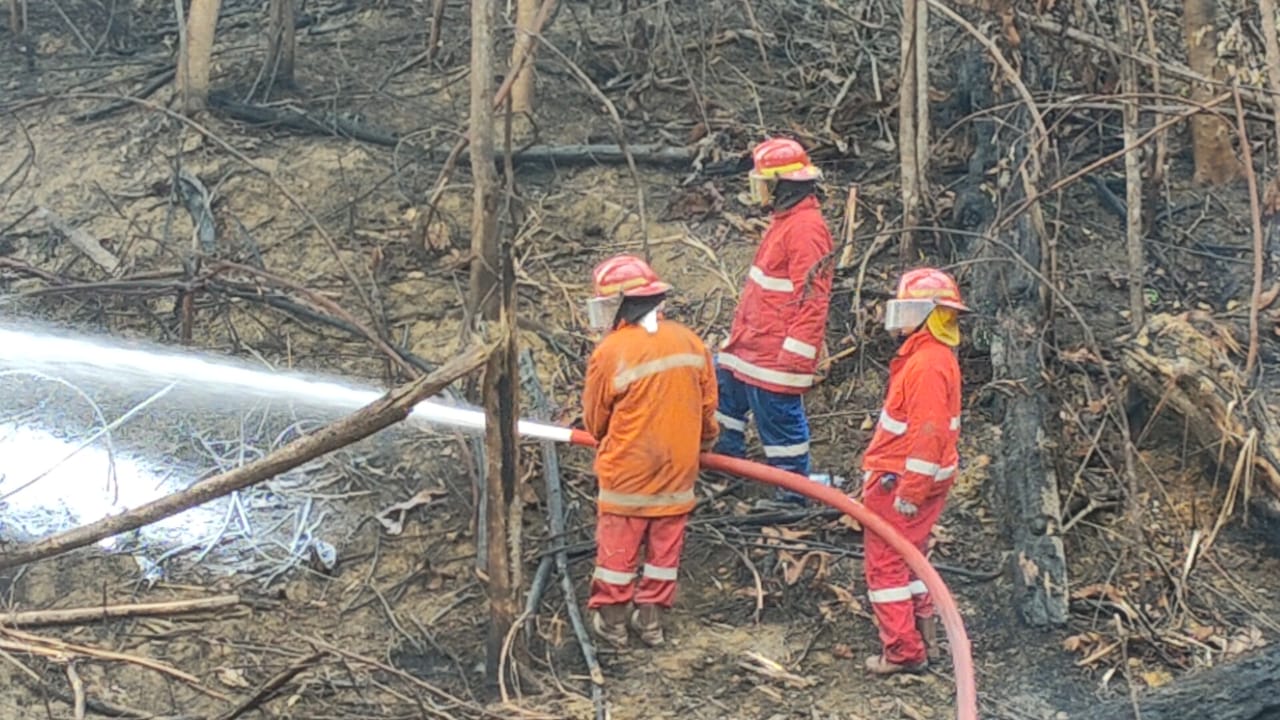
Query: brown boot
x=610, y=623
x=879, y=666
x=646, y=620
x=928, y=629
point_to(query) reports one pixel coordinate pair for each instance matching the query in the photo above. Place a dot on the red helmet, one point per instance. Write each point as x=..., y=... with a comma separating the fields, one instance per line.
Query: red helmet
x=783, y=159
x=919, y=292
x=626, y=275
x=612, y=280
x=931, y=284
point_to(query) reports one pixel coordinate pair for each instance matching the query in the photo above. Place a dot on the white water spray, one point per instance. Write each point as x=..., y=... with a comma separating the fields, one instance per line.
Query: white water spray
x=48, y=482
x=121, y=364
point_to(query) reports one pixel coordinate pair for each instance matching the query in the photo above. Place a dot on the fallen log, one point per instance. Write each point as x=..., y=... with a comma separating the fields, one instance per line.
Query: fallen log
x=383, y=412
x=1240, y=690
x=80, y=616
x=330, y=124
x=1184, y=364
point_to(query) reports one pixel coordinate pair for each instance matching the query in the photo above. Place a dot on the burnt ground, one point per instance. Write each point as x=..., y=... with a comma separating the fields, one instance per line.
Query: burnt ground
x=401, y=617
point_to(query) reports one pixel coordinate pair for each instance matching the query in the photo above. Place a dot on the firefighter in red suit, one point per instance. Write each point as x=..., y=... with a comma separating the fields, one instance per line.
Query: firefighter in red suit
x=770, y=358
x=912, y=461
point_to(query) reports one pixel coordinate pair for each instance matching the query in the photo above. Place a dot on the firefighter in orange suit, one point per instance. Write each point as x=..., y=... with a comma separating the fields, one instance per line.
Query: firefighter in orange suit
x=650, y=401
x=912, y=461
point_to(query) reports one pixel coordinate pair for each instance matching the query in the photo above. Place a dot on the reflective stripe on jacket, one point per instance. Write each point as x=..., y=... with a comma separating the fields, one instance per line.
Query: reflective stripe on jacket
x=650, y=401
x=781, y=318
x=919, y=424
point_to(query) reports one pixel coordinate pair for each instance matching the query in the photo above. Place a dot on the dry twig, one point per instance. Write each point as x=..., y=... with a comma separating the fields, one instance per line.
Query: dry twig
x=80, y=616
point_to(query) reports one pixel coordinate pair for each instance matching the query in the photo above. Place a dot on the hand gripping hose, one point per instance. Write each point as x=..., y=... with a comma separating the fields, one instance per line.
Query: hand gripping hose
x=961, y=653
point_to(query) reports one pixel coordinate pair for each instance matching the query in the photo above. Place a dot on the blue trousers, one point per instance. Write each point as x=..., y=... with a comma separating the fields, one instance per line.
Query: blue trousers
x=780, y=421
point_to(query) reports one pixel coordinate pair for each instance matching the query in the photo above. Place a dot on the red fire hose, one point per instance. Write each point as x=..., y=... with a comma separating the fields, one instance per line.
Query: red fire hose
x=961, y=657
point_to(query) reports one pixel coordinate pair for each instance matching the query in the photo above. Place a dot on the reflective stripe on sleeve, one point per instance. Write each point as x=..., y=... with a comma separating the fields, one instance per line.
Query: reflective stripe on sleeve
x=626, y=376
x=769, y=282
x=933, y=470
x=613, y=577
x=890, y=595
x=776, y=377
x=955, y=423
x=800, y=347
x=641, y=500
x=917, y=587
x=895, y=427
x=731, y=423
x=781, y=451
x=653, y=572
x=922, y=467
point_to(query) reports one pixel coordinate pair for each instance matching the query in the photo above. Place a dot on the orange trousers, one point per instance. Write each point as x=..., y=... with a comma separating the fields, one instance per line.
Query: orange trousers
x=897, y=596
x=618, y=541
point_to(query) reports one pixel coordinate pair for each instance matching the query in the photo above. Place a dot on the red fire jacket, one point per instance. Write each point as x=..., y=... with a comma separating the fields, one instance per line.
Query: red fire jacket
x=920, y=422
x=782, y=316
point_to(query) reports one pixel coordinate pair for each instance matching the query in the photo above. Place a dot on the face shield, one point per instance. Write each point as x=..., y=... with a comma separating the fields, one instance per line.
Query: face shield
x=761, y=188
x=602, y=311
x=906, y=314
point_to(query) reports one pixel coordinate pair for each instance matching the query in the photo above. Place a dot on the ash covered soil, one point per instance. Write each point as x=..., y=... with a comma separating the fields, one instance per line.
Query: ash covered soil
x=396, y=628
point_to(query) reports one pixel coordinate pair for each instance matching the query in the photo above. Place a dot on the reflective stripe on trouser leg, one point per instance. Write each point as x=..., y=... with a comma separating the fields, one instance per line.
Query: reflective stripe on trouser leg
x=617, y=551
x=889, y=583
x=784, y=429
x=663, y=547
x=731, y=414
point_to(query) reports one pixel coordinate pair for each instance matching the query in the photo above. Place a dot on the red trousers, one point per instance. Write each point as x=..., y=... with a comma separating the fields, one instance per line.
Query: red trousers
x=897, y=596
x=618, y=540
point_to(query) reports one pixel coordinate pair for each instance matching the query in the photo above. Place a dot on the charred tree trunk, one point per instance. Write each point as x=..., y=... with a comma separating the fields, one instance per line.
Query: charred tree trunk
x=1240, y=690
x=1216, y=162
x=501, y=384
x=483, y=302
x=195, y=52
x=281, y=43
x=522, y=92
x=1024, y=488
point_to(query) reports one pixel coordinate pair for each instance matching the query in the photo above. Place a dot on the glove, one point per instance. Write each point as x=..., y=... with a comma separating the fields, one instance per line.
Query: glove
x=887, y=481
x=904, y=508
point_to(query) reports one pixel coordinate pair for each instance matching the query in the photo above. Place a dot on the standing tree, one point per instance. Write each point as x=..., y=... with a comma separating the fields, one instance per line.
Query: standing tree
x=487, y=303
x=522, y=93
x=483, y=302
x=280, y=45
x=913, y=115
x=1132, y=172
x=502, y=448
x=17, y=16
x=195, y=51
x=1216, y=162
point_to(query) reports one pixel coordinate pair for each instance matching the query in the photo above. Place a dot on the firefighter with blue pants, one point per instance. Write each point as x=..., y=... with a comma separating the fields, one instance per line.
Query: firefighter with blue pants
x=770, y=358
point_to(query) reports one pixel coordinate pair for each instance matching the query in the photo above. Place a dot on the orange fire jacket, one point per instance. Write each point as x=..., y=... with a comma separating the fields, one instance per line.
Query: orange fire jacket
x=650, y=401
x=920, y=423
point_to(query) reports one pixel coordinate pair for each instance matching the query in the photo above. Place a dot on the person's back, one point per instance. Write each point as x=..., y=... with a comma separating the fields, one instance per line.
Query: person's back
x=647, y=402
